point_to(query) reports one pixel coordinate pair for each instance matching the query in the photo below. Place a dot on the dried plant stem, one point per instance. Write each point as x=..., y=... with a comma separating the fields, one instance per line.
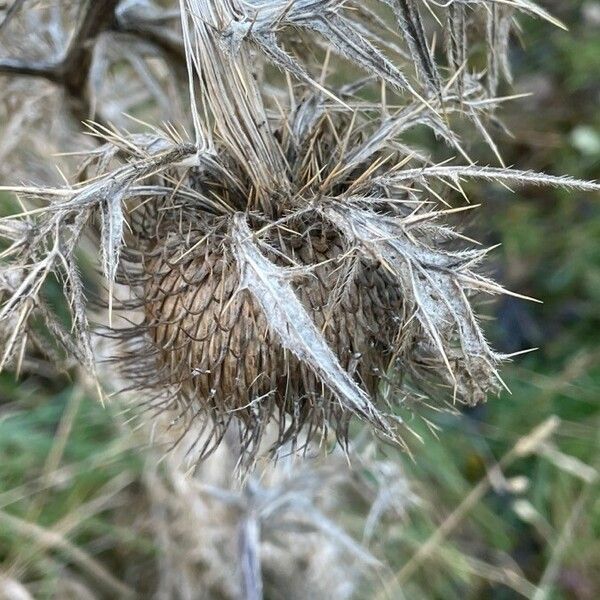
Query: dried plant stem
x=249, y=555
x=72, y=70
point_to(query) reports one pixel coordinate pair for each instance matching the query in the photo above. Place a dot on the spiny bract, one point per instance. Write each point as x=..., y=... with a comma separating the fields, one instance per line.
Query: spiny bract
x=288, y=261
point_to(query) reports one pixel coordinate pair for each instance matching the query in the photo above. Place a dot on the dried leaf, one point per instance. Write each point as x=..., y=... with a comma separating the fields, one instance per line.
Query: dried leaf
x=287, y=318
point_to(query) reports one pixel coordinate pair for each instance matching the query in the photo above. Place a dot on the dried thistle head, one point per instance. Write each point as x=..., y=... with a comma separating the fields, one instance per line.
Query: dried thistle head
x=291, y=263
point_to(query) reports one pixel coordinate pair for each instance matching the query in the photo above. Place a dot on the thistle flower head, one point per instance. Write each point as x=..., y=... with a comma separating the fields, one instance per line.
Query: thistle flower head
x=290, y=260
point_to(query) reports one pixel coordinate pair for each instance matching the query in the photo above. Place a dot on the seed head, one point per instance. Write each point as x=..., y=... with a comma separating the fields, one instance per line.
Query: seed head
x=293, y=260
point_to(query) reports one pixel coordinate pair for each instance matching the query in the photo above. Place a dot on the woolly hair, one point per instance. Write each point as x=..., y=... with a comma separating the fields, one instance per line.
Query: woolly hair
x=290, y=263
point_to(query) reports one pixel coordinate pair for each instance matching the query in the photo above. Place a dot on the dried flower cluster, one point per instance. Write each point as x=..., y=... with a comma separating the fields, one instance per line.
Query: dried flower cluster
x=291, y=259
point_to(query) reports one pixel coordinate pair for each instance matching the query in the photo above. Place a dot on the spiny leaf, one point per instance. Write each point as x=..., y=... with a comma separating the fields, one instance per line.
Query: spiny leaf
x=76, y=295
x=434, y=283
x=525, y=6
x=393, y=126
x=499, y=20
x=115, y=183
x=411, y=26
x=355, y=47
x=493, y=174
x=30, y=284
x=457, y=43
x=324, y=17
x=288, y=319
x=112, y=231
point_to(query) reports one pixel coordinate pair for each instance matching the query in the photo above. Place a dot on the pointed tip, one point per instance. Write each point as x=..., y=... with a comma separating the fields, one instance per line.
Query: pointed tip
x=520, y=353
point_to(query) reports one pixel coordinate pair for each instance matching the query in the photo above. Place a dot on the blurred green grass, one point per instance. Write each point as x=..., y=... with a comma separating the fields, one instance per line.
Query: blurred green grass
x=63, y=464
x=550, y=250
